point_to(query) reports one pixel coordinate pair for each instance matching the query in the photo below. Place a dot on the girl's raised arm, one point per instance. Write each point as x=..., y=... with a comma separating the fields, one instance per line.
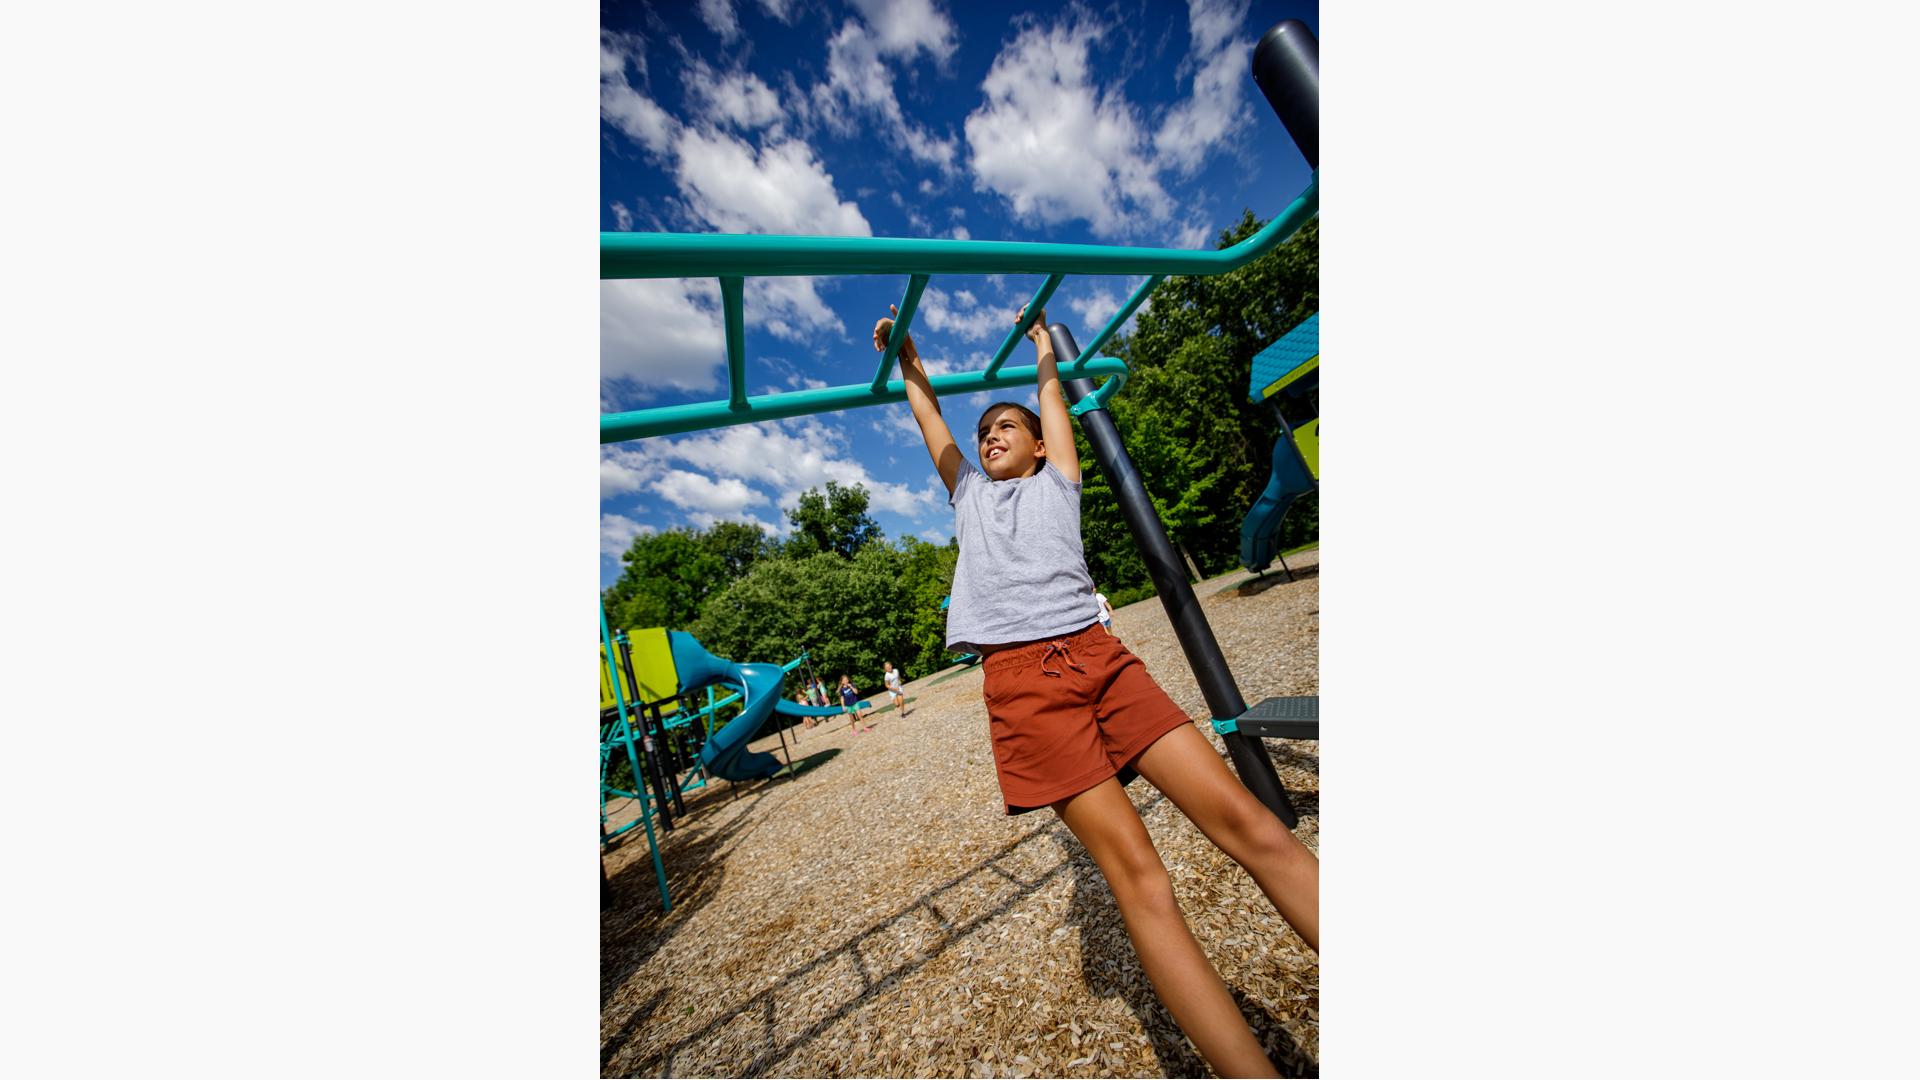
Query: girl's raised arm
x=1056, y=427
x=926, y=407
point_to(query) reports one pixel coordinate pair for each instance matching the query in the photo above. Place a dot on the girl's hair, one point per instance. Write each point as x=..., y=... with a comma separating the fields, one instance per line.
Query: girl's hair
x=1027, y=416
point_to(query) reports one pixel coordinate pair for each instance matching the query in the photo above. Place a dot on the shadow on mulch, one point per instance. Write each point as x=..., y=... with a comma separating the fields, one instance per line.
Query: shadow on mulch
x=956, y=927
x=632, y=927
x=1286, y=755
x=1305, y=803
x=938, y=679
x=1256, y=585
x=805, y=765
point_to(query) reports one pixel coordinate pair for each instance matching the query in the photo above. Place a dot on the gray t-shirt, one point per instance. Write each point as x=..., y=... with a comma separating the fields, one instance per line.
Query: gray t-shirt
x=1022, y=574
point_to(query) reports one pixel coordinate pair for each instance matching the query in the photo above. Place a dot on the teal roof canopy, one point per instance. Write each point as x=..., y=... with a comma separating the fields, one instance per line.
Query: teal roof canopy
x=1295, y=347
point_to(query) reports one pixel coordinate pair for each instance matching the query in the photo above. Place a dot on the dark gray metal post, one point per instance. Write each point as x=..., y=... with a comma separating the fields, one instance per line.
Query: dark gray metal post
x=1170, y=581
x=1286, y=65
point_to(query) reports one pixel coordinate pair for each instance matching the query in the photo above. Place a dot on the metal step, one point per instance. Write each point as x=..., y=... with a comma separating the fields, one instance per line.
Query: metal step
x=1282, y=718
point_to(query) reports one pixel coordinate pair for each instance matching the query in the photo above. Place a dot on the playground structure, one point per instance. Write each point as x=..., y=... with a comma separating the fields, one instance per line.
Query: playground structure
x=1285, y=375
x=645, y=675
x=1286, y=67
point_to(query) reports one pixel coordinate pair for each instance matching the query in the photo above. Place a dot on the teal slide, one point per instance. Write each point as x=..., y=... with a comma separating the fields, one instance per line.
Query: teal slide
x=1260, y=535
x=726, y=755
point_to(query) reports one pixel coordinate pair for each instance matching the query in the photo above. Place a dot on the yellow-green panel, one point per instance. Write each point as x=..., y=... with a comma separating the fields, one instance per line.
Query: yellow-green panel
x=1307, y=438
x=1283, y=381
x=653, y=668
x=653, y=663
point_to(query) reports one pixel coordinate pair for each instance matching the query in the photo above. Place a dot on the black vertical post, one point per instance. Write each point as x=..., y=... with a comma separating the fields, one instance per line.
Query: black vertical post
x=1286, y=66
x=656, y=768
x=1170, y=581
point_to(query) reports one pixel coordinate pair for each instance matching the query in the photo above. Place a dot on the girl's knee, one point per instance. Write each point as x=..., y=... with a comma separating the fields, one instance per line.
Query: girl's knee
x=1141, y=883
x=1258, y=834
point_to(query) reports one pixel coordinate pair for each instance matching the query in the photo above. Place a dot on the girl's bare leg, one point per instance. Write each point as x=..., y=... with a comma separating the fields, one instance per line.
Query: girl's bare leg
x=1184, y=765
x=1106, y=823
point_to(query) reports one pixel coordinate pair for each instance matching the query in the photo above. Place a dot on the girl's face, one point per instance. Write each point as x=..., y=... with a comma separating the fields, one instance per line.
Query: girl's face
x=1007, y=448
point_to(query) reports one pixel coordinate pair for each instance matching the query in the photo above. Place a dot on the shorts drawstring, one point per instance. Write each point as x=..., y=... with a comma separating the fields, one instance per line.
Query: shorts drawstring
x=1058, y=647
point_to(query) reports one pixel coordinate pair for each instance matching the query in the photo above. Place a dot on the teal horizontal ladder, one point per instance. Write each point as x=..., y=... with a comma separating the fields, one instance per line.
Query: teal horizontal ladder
x=732, y=258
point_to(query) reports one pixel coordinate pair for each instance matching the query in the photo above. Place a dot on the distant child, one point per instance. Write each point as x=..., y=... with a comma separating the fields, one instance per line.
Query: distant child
x=850, y=701
x=896, y=694
x=800, y=698
x=1073, y=714
x=1106, y=609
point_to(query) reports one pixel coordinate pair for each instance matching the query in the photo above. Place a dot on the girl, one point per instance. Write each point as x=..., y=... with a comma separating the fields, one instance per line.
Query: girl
x=896, y=693
x=1074, y=715
x=850, y=701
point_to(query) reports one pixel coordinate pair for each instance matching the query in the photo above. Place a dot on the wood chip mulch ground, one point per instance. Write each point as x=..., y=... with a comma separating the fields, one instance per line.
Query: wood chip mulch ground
x=878, y=915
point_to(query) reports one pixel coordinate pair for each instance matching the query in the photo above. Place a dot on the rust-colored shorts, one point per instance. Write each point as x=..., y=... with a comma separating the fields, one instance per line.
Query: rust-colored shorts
x=1069, y=712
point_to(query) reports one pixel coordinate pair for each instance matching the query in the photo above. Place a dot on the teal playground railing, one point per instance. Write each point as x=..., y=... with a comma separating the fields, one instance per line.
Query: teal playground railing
x=733, y=258
x=1286, y=67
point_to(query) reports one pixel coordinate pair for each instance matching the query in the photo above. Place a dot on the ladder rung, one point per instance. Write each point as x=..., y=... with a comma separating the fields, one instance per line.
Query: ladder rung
x=1283, y=718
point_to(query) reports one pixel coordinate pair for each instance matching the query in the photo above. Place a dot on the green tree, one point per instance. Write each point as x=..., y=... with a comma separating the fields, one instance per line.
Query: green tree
x=926, y=579
x=737, y=545
x=1203, y=450
x=667, y=576
x=835, y=521
x=849, y=613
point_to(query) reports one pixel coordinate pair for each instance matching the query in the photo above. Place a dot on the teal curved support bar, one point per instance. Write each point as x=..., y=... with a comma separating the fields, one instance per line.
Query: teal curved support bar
x=1098, y=399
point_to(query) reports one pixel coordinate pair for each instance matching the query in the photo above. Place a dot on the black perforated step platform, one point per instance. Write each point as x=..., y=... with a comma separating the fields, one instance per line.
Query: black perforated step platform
x=1283, y=718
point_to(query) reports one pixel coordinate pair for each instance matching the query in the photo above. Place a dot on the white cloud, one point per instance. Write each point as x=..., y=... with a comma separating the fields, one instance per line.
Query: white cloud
x=1214, y=110
x=896, y=424
x=781, y=188
x=1040, y=99
x=940, y=366
x=662, y=333
x=790, y=457
x=623, y=469
x=617, y=532
x=936, y=536
x=738, y=98
x=700, y=520
x=669, y=332
x=959, y=313
x=1211, y=22
x=905, y=27
x=719, y=17
x=621, y=105
x=960, y=233
x=859, y=84
x=1195, y=234
x=779, y=9
x=730, y=186
x=622, y=217
x=725, y=497
x=787, y=307
x=1095, y=306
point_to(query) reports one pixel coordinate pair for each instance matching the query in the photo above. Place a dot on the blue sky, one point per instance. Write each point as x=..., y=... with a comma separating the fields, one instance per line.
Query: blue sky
x=1128, y=123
